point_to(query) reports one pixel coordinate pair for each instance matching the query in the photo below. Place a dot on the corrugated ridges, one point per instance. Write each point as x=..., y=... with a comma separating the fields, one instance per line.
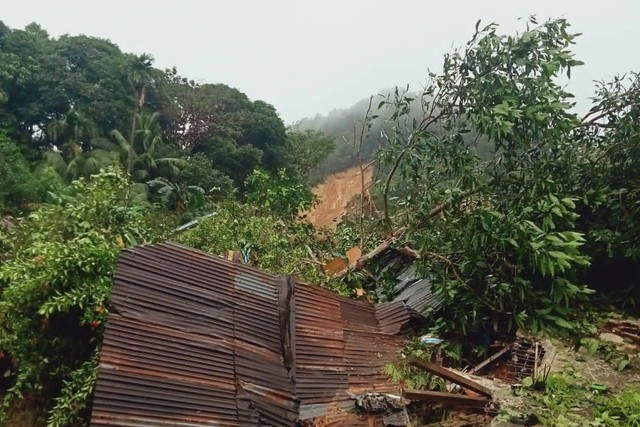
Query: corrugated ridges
x=194, y=340
x=393, y=316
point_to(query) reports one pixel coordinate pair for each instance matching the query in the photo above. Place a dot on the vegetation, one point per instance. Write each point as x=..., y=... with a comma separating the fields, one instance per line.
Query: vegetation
x=517, y=208
x=566, y=399
x=510, y=240
x=57, y=288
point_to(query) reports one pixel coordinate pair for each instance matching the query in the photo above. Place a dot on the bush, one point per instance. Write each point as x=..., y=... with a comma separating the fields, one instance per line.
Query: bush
x=57, y=285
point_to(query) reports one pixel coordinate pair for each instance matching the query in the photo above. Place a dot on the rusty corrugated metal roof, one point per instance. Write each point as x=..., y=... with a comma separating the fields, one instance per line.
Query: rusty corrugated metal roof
x=195, y=340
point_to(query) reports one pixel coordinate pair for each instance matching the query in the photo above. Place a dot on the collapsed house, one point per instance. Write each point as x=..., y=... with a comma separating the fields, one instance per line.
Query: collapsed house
x=195, y=340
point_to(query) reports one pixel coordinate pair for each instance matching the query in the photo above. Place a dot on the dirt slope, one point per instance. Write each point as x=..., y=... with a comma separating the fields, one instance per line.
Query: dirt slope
x=335, y=193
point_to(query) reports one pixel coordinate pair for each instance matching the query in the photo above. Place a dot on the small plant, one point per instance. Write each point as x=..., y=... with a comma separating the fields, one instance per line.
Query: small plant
x=563, y=401
x=622, y=409
x=608, y=352
x=411, y=377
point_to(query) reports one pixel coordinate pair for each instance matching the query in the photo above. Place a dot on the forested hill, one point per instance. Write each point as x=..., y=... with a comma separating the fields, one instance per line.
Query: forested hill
x=74, y=104
x=343, y=125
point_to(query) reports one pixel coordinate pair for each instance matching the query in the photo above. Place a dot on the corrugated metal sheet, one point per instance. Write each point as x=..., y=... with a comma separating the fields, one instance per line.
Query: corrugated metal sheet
x=415, y=291
x=411, y=288
x=195, y=340
x=393, y=316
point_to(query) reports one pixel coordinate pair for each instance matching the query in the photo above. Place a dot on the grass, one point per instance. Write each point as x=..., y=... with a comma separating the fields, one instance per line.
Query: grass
x=566, y=400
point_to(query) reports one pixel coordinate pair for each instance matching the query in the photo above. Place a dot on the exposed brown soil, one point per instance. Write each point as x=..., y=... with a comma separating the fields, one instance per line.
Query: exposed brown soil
x=334, y=195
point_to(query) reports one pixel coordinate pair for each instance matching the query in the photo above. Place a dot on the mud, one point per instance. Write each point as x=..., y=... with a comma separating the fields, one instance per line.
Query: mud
x=334, y=195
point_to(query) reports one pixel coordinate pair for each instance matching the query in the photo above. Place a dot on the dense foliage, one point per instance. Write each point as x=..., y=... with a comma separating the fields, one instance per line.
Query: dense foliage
x=100, y=151
x=57, y=289
x=511, y=240
x=79, y=104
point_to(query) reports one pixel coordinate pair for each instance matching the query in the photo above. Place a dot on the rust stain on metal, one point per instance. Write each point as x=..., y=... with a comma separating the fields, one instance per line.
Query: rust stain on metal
x=194, y=340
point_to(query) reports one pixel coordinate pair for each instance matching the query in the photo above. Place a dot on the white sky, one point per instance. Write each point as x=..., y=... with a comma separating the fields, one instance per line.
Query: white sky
x=311, y=57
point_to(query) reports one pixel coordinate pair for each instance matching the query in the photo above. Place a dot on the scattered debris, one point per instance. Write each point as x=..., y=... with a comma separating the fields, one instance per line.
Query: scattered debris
x=429, y=339
x=234, y=256
x=194, y=340
x=628, y=330
x=524, y=419
x=521, y=359
x=193, y=223
x=336, y=266
x=378, y=403
x=353, y=255
x=8, y=222
x=449, y=375
x=340, y=265
x=390, y=406
x=490, y=360
x=398, y=419
x=448, y=399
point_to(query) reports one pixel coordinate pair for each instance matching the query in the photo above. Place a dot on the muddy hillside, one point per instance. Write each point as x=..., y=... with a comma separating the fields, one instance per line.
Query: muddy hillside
x=334, y=195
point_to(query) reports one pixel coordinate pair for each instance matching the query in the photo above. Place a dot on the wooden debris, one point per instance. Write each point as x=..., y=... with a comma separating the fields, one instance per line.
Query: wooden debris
x=313, y=256
x=490, y=360
x=449, y=375
x=336, y=266
x=378, y=250
x=450, y=399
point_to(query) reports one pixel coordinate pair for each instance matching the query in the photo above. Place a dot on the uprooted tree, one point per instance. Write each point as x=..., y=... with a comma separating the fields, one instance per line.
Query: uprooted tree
x=506, y=197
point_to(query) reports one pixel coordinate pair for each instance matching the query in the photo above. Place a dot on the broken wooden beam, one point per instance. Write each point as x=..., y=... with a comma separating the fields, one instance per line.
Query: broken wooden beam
x=449, y=399
x=490, y=360
x=448, y=375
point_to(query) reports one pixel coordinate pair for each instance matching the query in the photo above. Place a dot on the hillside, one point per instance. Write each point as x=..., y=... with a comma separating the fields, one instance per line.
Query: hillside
x=334, y=194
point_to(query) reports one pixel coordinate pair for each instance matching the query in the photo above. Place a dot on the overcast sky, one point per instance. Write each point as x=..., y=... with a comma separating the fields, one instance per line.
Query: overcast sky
x=311, y=57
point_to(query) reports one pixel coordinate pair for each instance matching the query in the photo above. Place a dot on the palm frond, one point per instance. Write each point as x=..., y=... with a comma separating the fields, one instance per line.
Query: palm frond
x=105, y=144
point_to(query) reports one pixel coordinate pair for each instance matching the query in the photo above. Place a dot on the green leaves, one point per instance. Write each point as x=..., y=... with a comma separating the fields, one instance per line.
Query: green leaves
x=510, y=248
x=57, y=288
x=282, y=195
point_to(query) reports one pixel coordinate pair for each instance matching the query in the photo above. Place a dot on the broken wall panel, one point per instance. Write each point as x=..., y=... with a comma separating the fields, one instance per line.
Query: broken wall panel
x=195, y=340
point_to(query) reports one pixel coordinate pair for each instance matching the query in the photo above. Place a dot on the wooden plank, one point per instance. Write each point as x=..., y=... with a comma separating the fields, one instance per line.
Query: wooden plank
x=448, y=375
x=449, y=399
x=490, y=360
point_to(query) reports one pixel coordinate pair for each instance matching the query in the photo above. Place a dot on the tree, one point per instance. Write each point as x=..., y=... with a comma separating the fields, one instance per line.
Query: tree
x=139, y=77
x=200, y=170
x=80, y=164
x=281, y=194
x=140, y=154
x=177, y=197
x=42, y=79
x=265, y=130
x=56, y=292
x=20, y=186
x=72, y=131
x=97, y=81
x=196, y=113
x=499, y=236
x=610, y=208
x=308, y=150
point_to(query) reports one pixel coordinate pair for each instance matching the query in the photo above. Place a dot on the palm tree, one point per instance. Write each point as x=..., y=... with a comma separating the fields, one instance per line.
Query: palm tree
x=82, y=165
x=178, y=197
x=140, y=75
x=72, y=156
x=72, y=133
x=139, y=154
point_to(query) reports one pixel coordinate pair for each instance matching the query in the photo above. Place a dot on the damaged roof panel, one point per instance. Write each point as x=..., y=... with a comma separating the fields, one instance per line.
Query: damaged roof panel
x=194, y=340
